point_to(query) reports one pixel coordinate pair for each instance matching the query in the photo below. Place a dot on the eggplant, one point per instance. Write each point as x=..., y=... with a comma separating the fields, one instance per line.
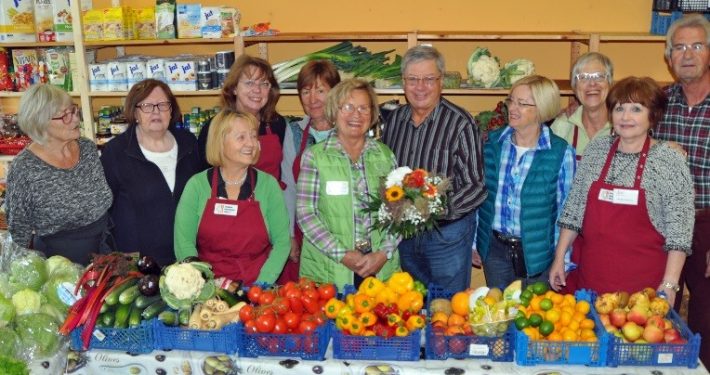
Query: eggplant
x=148, y=266
x=148, y=285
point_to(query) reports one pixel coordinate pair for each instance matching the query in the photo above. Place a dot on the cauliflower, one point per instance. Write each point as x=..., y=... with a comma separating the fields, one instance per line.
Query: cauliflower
x=515, y=70
x=483, y=69
x=184, y=281
x=396, y=176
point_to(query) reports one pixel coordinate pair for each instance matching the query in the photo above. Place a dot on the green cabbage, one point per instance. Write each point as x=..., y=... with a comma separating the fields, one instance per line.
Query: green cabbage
x=58, y=265
x=58, y=289
x=26, y=301
x=7, y=312
x=28, y=272
x=8, y=342
x=38, y=333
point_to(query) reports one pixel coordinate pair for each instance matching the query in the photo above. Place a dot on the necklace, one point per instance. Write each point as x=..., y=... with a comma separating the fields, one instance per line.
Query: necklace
x=235, y=183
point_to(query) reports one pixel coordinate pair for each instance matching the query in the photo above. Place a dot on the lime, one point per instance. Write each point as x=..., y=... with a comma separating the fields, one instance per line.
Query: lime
x=546, y=327
x=526, y=294
x=519, y=314
x=539, y=288
x=521, y=322
x=525, y=302
x=546, y=304
x=535, y=319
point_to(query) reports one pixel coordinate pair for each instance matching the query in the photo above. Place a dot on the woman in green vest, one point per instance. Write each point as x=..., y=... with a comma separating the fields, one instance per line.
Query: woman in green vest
x=337, y=177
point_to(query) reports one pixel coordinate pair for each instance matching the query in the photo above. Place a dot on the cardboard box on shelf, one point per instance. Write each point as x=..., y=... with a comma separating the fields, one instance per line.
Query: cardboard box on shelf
x=189, y=18
x=61, y=11
x=17, y=21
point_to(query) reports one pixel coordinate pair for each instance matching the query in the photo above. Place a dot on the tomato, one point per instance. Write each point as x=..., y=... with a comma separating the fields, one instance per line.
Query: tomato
x=312, y=293
x=280, y=326
x=306, y=283
x=293, y=293
x=254, y=293
x=246, y=313
x=292, y=320
x=307, y=327
x=265, y=322
x=266, y=297
x=289, y=285
x=250, y=326
x=281, y=305
x=296, y=305
x=326, y=291
x=310, y=304
x=319, y=318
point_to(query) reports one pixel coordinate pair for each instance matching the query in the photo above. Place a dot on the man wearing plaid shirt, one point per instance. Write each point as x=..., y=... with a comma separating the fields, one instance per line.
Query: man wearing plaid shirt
x=687, y=122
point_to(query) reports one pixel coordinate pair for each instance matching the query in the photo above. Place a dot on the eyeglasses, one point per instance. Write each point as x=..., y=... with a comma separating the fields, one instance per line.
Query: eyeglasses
x=348, y=108
x=68, y=114
x=695, y=47
x=250, y=84
x=413, y=81
x=591, y=77
x=508, y=102
x=149, y=107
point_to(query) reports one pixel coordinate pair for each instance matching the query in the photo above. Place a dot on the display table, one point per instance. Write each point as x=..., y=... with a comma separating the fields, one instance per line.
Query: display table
x=99, y=362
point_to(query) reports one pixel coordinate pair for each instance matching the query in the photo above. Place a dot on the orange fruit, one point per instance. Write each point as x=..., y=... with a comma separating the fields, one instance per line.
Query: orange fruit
x=535, y=303
x=554, y=336
x=573, y=325
x=557, y=298
x=591, y=339
x=552, y=315
x=582, y=307
x=459, y=303
x=456, y=320
x=453, y=331
x=531, y=332
x=565, y=318
x=569, y=300
x=440, y=317
x=578, y=317
x=586, y=324
x=570, y=335
x=586, y=333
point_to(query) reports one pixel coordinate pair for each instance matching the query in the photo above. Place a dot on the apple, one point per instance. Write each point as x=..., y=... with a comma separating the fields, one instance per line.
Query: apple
x=657, y=321
x=679, y=341
x=457, y=345
x=604, y=318
x=653, y=334
x=638, y=315
x=632, y=331
x=671, y=334
x=649, y=292
x=668, y=323
x=617, y=317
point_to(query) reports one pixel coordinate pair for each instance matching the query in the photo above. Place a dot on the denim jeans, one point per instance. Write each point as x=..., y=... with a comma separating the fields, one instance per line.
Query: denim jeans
x=498, y=267
x=441, y=256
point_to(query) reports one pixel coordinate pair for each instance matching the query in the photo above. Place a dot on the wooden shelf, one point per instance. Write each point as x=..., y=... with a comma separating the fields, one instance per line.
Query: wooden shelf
x=156, y=42
x=312, y=37
x=431, y=36
x=37, y=44
x=6, y=158
x=122, y=94
x=631, y=37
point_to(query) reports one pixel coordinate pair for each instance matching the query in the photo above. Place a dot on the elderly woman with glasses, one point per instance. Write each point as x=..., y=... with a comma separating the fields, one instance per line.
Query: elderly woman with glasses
x=147, y=168
x=592, y=75
x=528, y=173
x=57, y=196
x=337, y=177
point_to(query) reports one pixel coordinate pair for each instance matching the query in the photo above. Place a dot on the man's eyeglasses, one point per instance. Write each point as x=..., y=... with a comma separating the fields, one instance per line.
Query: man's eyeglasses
x=348, y=108
x=695, y=47
x=149, y=107
x=509, y=102
x=250, y=84
x=68, y=114
x=591, y=77
x=413, y=81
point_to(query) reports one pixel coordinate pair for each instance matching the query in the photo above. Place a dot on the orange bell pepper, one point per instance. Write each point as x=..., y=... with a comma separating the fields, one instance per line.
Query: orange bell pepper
x=332, y=307
x=363, y=303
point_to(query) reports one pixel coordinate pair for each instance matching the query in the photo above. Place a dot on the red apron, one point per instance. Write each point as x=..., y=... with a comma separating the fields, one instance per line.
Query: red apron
x=232, y=236
x=621, y=249
x=290, y=272
x=271, y=155
x=574, y=142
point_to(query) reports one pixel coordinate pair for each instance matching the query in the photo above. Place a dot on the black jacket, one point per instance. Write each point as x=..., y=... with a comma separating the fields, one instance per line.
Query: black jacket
x=143, y=210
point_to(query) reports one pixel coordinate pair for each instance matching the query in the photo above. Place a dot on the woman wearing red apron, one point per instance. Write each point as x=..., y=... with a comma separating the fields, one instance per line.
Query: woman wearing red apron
x=233, y=215
x=631, y=208
x=315, y=80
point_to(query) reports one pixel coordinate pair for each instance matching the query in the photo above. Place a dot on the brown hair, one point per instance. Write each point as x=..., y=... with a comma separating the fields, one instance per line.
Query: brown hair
x=642, y=90
x=241, y=66
x=140, y=91
x=219, y=129
x=317, y=69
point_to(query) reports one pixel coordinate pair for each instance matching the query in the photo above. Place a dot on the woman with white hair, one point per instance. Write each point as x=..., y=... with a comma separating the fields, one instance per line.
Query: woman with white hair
x=57, y=195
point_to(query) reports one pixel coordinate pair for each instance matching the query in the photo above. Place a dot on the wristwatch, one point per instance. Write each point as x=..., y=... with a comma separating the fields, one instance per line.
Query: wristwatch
x=389, y=254
x=671, y=286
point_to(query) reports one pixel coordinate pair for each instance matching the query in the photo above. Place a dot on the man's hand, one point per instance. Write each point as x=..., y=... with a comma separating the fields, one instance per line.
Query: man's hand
x=295, y=254
x=476, y=258
x=371, y=263
x=351, y=259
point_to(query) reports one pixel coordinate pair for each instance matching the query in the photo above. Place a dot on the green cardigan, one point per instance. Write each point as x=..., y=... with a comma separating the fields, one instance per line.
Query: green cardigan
x=273, y=209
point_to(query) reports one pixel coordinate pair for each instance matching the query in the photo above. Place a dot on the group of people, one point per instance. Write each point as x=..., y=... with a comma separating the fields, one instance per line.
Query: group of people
x=613, y=196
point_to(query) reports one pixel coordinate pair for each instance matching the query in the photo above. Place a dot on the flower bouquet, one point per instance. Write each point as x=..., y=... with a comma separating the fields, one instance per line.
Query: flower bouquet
x=409, y=202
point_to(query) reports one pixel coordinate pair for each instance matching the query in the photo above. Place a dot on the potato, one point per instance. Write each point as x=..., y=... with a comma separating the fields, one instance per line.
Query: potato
x=440, y=305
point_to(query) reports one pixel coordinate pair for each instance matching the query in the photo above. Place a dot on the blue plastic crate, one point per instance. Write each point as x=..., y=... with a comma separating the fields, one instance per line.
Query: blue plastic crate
x=376, y=348
x=662, y=354
x=538, y=352
x=498, y=349
x=661, y=21
x=137, y=340
x=304, y=346
x=225, y=340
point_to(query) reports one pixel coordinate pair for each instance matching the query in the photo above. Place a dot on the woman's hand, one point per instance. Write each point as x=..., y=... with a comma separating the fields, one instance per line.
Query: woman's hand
x=351, y=259
x=557, y=275
x=476, y=258
x=670, y=294
x=370, y=264
x=295, y=254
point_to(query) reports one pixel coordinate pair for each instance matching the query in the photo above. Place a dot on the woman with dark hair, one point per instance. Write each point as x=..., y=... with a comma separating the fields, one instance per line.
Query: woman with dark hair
x=631, y=207
x=147, y=168
x=251, y=87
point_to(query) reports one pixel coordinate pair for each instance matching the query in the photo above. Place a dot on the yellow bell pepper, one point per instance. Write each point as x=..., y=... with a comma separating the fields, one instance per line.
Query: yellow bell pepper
x=368, y=319
x=344, y=321
x=332, y=307
x=401, y=282
x=371, y=286
x=386, y=296
x=411, y=300
x=401, y=331
x=415, y=322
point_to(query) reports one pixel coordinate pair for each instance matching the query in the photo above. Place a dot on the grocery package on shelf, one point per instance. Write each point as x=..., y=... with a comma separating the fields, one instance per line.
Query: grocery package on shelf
x=211, y=22
x=6, y=75
x=189, y=17
x=144, y=23
x=165, y=19
x=62, y=19
x=17, y=21
x=12, y=139
x=231, y=17
x=44, y=21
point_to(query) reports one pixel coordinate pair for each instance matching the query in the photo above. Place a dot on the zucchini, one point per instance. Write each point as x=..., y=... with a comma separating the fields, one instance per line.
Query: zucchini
x=134, y=317
x=184, y=317
x=129, y=295
x=144, y=301
x=121, y=318
x=112, y=298
x=168, y=317
x=153, y=309
x=226, y=296
x=104, y=308
x=107, y=319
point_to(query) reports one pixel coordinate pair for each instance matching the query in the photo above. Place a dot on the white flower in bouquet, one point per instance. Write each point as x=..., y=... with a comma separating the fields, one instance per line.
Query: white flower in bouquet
x=396, y=176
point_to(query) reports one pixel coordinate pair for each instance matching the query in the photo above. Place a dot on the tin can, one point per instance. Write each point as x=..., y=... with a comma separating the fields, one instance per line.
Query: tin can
x=203, y=65
x=204, y=80
x=221, y=77
x=224, y=59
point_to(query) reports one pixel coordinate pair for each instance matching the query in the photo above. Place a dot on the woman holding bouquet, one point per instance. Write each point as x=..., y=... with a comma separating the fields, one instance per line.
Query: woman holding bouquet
x=336, y=180
x=528, y=173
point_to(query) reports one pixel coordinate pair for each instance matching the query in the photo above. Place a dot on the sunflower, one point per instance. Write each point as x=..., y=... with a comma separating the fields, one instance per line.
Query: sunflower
x=394, y=193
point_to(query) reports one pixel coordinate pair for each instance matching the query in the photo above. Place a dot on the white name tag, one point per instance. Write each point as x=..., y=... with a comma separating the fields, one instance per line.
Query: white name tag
x=337, y=188
x=620, y=196
x=225, y=209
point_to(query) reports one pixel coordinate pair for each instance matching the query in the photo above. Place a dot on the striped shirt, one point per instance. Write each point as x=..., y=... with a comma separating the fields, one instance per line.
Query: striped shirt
x=307, y=197
x=512, y=177
x=690, y=127
x=447, y=142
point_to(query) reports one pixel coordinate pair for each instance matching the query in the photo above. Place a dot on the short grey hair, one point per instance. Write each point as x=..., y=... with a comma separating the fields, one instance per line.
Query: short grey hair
x=585, y=59
x=421, y=53
x=691, y=20
x=37, y=107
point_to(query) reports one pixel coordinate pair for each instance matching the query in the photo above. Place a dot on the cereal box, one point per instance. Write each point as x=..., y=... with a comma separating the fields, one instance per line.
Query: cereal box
x=136, y=71
x=230, y=22
x=97, y=77
x=155, y=68
x=17, y=21
x=93, y=24
x=189, y=18
x=26, y=67
x=144, y=21
x=165, y=20
x=113, y=22
x=61, y=11
x=116, y=76
x=44, y=21
x=181, y=75
x=211, y=22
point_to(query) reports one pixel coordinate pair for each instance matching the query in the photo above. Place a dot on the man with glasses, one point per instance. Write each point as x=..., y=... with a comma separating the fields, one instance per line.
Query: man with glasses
x=687, y=122
x=432, y=133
